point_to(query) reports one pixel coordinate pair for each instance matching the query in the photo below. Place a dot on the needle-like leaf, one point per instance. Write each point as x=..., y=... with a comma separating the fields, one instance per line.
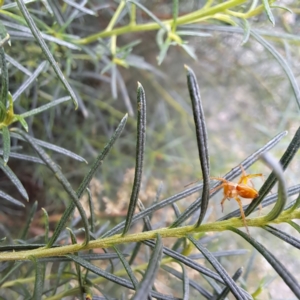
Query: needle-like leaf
x=86, y=180
x=268, y=11
x=30, y=80
x=146, y=284
x=272, y=179
x=46, y=50
x=46, y=217
x=39, y=279
x=13, y=178
x=78, y=270
x=45, y=107
x=287, y=277
x=60, y=177
x=11, y=199
x=226, y=290
x=282, y=192
x=139, y=157
x=202, y=139
x=283, y=236
x=194, y=284
x=52, y=147
x=285, y=66
x=236, y=291
x=127, y=268
x=29, y=220
x=111, y=277
x=6, y=144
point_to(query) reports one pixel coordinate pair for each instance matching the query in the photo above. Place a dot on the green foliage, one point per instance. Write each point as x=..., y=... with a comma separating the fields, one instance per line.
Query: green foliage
x=77, y=53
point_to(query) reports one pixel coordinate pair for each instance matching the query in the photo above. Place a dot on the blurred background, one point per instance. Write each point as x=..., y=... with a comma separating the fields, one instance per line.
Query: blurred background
x=247, y=100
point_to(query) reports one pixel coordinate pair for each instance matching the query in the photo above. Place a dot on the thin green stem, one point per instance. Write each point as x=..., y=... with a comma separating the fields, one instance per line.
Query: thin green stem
x=116, y=16
x=186, y=19
x=142, y=236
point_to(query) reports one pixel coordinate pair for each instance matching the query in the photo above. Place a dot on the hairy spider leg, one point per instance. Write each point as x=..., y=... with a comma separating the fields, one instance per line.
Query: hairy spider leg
x=238, y=200
x=245, y=177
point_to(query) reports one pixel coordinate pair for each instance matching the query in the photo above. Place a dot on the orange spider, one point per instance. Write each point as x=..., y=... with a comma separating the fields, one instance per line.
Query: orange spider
x=236, y=190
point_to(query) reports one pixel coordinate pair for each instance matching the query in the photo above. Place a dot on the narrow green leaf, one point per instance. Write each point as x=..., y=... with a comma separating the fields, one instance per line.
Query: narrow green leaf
x=113, y=278
x=272, y=179
x=4, y=84
x=282, y=192
x=85, y=182
x=28, y=221
x=214, y=285
x=283, y=8
x=16, y=64
x=45, y=107
x=236, y=291
x=221, y=253
x=146, y=284
x=13, y=268
x=59, y=275
x=287, y=277
x=193, y=33
x=22, y=121
x=78, y=271
x=4, y=73
x=294, y=225
x=226, y=290
x=139, y=157
x=283, y=236
x=42, y=66
x=149, y=13
x=135, y=252
x=6, y=144
x=127, y=268
x=88, y=257
x=60, y=177
x=285, y=66
x=92, y=210
x=206, y=294
x=14, y=179
x=246, y=27
x=25, y=157
x=147, y=223
x=186, y=283
x=39, y=279
x=163, y=51
x=52, y=147
x=46, y=217
x=296, y=205
x=21, y=247
x=188, y=262
x=268, y=11
x=202, y=139
x=175, y=10
x=36, y=33
x=236, y=171
x=190, y=50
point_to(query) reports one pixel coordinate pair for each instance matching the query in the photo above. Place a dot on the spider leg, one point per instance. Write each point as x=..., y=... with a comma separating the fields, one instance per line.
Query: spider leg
x=222, y=202
x=246, y=178
x=238, y=200
x=217, y=188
